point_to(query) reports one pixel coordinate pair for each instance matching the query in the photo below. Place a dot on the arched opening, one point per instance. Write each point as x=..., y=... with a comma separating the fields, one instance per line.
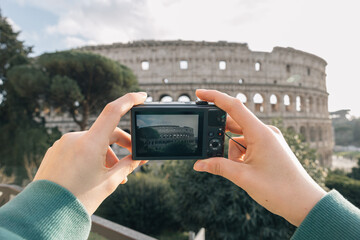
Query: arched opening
x=320, y=134
x=241, y=81
x=312, y=134
x=257, y=66
x=274, y=103
x=259, y=102
x=291, y=129
x=242, y=97
x=309, y=104
x=149, y=99
x=166, y=98
x=165, y=80
x=184, y=98
x=145, y=65
x=287, y=103
x=299, y=104
x=303, y=133
x=222, y=65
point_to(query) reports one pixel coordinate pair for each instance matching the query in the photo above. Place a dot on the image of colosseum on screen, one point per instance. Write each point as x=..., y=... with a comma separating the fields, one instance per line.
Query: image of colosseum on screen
x=167, y=135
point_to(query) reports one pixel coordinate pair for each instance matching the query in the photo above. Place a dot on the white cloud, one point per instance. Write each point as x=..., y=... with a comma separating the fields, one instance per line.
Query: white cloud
x=74, y=42
x=325, y=28
x=15, y=27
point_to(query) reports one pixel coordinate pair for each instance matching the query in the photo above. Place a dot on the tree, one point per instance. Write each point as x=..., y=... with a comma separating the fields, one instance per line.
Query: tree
x=24, y=138
x=225, y=210
x=81, y=83
x=12, y=51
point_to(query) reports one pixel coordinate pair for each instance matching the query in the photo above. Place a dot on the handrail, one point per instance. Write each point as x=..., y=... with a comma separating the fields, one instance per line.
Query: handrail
x=100, y=225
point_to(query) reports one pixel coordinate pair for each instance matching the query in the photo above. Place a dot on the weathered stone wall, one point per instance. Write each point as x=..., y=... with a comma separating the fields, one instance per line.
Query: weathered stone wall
x=285, y=83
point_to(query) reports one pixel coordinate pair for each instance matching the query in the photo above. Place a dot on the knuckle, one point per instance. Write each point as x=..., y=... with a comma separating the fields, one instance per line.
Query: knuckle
x=131, y=96
x=275, y=129
x=216, y=168
x=234, y=105
x=110, y=108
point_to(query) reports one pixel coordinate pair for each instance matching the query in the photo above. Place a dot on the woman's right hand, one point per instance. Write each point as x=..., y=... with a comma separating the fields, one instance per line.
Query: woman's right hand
x=267, y=170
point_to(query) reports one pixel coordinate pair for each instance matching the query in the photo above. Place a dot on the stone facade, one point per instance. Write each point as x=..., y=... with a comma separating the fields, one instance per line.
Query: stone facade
x=284, y=83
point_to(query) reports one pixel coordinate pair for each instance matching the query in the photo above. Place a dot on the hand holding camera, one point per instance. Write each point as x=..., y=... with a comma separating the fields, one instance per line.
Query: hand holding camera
x=267, y=170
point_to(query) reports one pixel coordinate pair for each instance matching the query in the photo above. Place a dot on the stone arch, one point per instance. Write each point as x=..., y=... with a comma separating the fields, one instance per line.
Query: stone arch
x=303, y=133
x=287, y=100
x=310, y=104
x=242, y=97
x=258, y=100
x=291, y=129
x=313, y=134
x=274, y=102
x=166, y=98
x=149, y=99
x=320, y=134
x=300, y=104
x=184, y=98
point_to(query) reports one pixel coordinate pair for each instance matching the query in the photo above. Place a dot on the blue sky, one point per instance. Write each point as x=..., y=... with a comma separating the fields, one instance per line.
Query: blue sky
x=328, y=29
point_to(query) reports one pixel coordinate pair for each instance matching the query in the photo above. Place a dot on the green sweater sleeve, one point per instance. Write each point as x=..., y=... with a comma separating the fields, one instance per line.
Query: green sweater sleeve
x=333, y=217
x=44, y=210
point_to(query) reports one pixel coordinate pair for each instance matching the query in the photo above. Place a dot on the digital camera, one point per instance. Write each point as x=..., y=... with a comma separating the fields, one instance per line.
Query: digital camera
x=191, y=130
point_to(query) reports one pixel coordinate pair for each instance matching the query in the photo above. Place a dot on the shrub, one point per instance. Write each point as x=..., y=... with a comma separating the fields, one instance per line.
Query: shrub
x=144, y=203
x=348, y=187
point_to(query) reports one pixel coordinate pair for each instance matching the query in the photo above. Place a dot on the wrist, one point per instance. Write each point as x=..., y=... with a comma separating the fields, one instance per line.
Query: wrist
x=305, y=201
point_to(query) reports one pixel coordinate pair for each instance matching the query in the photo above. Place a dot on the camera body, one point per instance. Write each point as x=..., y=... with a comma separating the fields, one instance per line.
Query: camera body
x=161, y=131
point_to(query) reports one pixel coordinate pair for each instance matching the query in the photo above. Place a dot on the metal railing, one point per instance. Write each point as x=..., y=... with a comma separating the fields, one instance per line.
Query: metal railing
x=101, y=226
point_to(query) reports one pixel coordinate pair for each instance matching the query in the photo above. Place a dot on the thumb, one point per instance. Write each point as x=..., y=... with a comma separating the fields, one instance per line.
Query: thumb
x=123, y=168
x=223, y=167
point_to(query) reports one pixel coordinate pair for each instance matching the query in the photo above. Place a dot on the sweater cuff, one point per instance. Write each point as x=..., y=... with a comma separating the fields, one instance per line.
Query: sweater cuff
x=46, y=210
x=333, y=217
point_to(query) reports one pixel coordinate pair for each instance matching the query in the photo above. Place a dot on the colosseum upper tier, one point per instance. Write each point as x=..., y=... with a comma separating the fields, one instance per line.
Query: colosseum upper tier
x=284, y=83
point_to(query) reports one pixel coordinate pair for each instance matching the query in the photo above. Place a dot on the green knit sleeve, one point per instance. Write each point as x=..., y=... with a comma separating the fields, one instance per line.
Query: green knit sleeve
x=44, y=210
x=333, y=217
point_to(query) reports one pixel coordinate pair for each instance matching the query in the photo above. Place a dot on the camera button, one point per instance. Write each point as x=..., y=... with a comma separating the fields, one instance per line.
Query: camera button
x=211, y=134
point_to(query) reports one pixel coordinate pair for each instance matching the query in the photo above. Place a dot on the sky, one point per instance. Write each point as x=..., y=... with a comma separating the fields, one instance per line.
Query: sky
x=324, y=28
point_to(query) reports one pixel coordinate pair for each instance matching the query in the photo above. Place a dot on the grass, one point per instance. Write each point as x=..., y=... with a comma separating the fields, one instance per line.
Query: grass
x=348, y=154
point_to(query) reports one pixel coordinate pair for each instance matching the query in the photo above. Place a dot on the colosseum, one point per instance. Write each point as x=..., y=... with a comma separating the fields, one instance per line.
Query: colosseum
x=285, y=83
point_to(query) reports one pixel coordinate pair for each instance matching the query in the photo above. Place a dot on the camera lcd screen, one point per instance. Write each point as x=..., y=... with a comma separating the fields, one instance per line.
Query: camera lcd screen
x=168, y=135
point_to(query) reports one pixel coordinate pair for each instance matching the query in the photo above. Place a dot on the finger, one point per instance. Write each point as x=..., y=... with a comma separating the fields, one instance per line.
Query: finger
x=121, y=138
x=275, y=129
x=236, y=152
x=111, y=114
x=234, y=107
x=223, y=167
x=111, y=158
x=124, y=181
x=232, y=126
x=123, y=168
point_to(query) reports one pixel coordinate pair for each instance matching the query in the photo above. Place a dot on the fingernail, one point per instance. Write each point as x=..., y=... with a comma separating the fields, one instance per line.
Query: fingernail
x=143, y=93
x=200, y=166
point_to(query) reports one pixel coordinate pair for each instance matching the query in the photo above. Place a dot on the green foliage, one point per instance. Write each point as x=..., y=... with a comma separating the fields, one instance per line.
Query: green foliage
x=12, y=51
x=24, y=138
x=88, y=79
x=348, y=187
x=65, y=92
x=355, y=171
x=225, y=210
x=347, y=132
x=145, y=203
